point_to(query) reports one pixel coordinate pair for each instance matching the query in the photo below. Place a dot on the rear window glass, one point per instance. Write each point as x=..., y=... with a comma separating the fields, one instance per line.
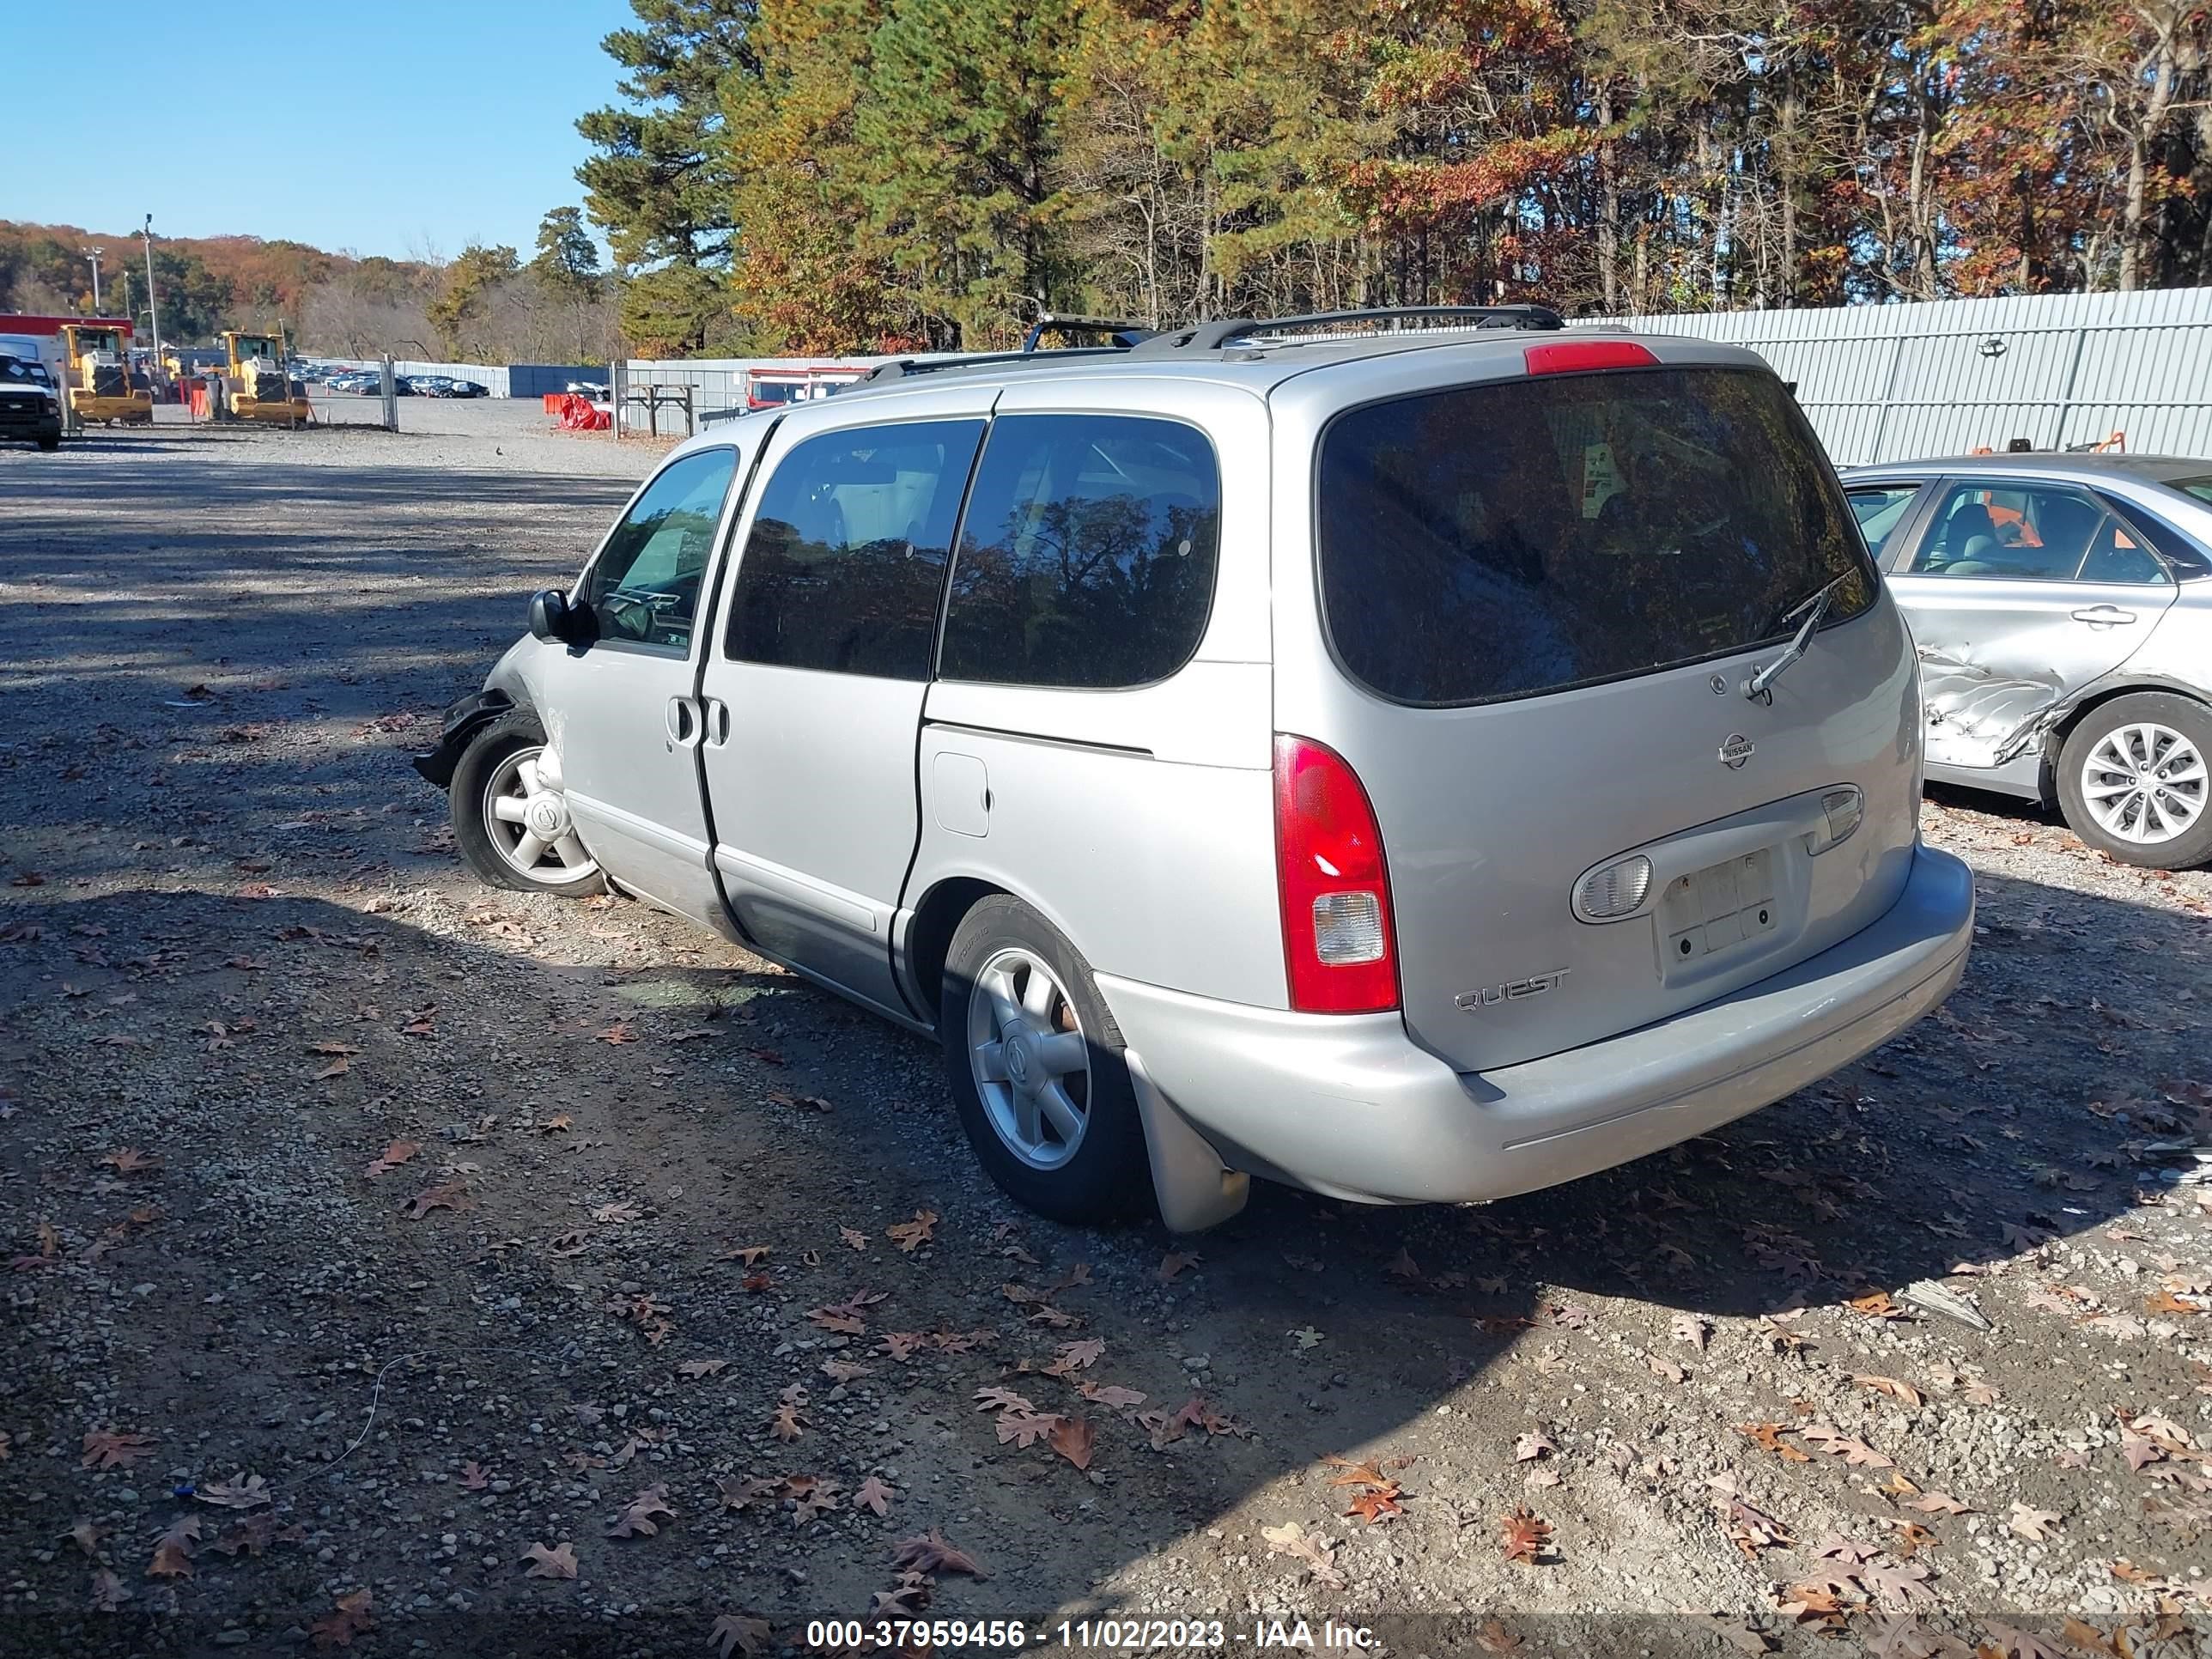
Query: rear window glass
x=1086, y=556
x=2200, y=488
x=1498, y=541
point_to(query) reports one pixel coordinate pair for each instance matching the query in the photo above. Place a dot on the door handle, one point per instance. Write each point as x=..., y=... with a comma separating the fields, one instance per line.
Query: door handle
x=684, y=721
x=716, y=720
x=2104, y=616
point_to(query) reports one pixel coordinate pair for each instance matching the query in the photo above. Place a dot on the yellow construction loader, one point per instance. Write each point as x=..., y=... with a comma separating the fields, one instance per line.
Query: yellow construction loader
x=96, y=366
x=257, y=386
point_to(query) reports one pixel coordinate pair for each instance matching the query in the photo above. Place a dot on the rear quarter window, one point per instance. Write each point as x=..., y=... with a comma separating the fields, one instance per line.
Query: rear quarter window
x=1086, y=555
x=1525, y=536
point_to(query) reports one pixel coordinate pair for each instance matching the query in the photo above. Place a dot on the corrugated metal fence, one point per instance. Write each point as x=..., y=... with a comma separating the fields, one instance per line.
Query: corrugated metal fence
x=1900, y=381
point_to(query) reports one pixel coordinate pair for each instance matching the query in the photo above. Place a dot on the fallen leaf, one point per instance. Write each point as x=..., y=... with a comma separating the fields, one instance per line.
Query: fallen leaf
x=2032, y=1522
x=618, y=1032
x=873, y=1494
x=735, y=1633
x=749, y=1255
x=1111, y=1395
x=447, y=1195
x=104, y=1448
x=911, y=1236
x=616, y=1213
x=640, y=1517
x=786, y=1424
x=1769, y=1438
x=1023, y=1429
x=1878, y=1305
x=1378, y=1505
x=242, y=1492
x=1939, y=1503
x=348, y=1618
x=1318, y=1554
x=695, y=1369
x=172, y=1550
x=109, y=1592
x=475, y=1477
x=130, y=1161
x=1532, y=1446
x=1895, y=1389
x=1073, y=1438
x=1693, y=1328
x=1075, y=1356
x=854, y=1237
x=930, y=1552
x=1525, y=1537
x=1664, y=1368
x=559, y=1562
x=1832, y=1440
x=1173, y=1262
x=338, y=1067
x=392, y=1156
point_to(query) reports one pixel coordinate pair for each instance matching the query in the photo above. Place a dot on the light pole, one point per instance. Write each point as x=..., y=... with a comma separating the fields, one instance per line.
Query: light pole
x=93, y=254
x=153, y=309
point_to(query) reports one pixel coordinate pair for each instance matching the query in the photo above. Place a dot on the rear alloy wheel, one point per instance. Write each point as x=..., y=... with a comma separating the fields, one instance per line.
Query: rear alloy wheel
x=1035, y=1062
x=510, y=822
x=2133, y=778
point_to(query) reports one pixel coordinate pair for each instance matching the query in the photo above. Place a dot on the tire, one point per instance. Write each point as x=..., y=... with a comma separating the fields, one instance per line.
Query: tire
x=497, y=763
x=2171, y=829
x=50, y=445
x=1100, y=1172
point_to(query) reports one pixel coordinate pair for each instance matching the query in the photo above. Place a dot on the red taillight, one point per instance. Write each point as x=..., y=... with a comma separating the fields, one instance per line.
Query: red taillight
x=1570, y=356
x=1334, y=885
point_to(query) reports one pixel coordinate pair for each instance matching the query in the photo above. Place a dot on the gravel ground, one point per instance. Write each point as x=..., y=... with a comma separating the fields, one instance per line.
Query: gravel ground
x=408, y=1267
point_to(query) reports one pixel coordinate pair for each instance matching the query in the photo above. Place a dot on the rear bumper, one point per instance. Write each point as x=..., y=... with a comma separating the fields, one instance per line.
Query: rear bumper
x=1351, y=1106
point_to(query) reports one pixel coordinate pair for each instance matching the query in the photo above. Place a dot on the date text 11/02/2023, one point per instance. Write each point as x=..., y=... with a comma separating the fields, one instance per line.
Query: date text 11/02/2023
x=1087, y=1635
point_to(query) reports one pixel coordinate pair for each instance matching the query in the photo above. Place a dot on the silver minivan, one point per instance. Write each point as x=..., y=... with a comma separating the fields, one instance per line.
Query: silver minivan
x=1417, y=756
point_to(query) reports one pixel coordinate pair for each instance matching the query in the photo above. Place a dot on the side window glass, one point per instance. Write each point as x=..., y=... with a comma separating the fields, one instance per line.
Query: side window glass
x=1879, y=512
x=1087, y=554
x=845, y=562
x=2004, y=533
x=644, y=586
x=2117, y=555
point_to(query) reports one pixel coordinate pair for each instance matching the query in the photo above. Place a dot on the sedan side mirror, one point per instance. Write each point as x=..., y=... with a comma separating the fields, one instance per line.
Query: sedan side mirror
x=551, y=616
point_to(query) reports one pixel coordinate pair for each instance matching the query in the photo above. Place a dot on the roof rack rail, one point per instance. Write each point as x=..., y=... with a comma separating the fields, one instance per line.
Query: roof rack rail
x=1114, y=333
x=898, y=369
x=1218, y=334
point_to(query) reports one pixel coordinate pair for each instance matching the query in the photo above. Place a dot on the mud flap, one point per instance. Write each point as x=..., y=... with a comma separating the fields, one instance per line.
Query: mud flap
x=1196, y=1189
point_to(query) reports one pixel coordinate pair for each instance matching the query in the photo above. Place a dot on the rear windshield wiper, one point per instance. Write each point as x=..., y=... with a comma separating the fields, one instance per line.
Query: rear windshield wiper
x=1759, y=687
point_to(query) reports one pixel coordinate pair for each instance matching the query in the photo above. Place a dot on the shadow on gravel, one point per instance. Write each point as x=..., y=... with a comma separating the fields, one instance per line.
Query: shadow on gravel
x=751, y=1109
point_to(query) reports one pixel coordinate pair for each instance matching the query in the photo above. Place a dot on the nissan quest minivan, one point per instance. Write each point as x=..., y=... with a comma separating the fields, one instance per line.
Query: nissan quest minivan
x=1416, y=756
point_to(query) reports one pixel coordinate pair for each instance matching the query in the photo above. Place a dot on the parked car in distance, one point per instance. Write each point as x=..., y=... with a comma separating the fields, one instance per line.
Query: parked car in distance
x=588, y=388
x=1415, y=756
x=2062, y=608
x=459, y=388
x=30, y=406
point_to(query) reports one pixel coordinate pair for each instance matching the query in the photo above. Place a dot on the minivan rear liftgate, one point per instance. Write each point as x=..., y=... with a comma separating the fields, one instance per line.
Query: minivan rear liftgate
x=1607, y=657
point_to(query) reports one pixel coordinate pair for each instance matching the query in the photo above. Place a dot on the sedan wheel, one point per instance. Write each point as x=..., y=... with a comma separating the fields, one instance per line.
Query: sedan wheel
x=528, y=823
x=2144, y=783
x=2132, y=780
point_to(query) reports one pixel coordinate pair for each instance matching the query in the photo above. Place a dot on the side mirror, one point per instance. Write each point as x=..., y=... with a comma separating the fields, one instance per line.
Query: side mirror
x=550, y=617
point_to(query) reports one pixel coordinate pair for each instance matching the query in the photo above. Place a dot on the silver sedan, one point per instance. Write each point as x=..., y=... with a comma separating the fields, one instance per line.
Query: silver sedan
x=2061, y=605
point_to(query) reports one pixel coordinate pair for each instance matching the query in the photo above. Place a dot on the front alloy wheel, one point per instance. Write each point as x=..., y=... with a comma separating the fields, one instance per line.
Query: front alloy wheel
x=528, y=824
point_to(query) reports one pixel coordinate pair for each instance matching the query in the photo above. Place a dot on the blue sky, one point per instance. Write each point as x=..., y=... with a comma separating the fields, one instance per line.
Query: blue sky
x=402, y=122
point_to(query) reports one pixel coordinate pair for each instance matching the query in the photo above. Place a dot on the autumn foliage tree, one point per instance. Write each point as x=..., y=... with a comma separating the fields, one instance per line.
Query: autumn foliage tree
x=935, y=171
